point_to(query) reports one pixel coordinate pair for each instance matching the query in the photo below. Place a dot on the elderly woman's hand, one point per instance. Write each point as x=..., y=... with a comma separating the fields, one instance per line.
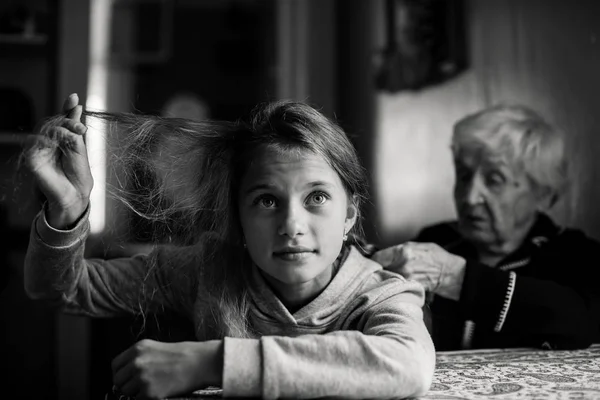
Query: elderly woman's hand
x=439, y=271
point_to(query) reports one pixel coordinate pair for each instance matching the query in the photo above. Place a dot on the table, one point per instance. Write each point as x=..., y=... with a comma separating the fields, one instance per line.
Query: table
x=530, y=374
x=520, y=374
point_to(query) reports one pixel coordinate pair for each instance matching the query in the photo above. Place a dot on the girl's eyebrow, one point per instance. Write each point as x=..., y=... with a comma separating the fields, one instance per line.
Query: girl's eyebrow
x=320, y=183
x=270, y=186
x=260, y=186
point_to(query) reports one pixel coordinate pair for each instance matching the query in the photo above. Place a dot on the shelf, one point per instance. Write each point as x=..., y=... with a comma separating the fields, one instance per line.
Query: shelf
x=27, y=40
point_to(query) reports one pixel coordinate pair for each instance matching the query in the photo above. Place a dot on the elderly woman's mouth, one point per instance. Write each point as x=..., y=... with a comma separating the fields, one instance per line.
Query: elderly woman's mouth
x=475, y=219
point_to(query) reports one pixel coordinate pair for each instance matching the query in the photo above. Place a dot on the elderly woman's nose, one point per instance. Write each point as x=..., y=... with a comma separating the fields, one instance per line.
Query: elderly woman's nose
x=292, y=220
x=474, y=192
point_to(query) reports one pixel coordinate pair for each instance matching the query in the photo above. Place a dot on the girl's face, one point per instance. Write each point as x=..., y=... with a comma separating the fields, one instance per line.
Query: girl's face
x=294, y=212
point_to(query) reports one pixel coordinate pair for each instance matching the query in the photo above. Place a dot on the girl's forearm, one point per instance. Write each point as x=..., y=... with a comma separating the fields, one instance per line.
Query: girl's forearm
x=210, y=363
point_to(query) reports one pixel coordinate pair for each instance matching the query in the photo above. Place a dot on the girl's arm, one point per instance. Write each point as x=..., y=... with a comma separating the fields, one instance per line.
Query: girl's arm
x=382, y=351
x=55, y=269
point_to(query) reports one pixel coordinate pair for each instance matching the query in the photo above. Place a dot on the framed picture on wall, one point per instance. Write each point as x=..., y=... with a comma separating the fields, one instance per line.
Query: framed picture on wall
x=425, y=44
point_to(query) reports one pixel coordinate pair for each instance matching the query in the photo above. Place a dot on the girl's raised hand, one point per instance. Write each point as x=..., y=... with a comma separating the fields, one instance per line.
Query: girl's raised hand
x=60, y=166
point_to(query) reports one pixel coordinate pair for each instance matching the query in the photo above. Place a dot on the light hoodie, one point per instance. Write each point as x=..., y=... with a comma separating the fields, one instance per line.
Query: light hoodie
x=362, y=337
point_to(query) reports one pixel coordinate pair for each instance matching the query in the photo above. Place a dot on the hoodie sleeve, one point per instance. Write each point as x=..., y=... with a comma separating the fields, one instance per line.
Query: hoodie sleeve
x=384, y=351
x=55, y=269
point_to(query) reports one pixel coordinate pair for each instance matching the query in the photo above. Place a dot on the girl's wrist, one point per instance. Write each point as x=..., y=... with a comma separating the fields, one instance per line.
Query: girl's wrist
x=64, y=219
x=211, y=362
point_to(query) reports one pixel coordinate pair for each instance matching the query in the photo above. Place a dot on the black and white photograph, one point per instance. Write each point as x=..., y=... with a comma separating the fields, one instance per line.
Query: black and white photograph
x=300, y=199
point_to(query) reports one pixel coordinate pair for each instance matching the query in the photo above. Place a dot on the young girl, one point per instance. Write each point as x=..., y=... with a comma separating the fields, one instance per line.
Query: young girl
x=283, y=301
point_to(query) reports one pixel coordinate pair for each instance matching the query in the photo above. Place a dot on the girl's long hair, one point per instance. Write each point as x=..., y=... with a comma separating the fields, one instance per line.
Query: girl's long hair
x=184, y=176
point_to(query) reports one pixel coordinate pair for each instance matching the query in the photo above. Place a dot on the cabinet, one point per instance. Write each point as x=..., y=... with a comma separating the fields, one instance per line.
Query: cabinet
x=27, y=93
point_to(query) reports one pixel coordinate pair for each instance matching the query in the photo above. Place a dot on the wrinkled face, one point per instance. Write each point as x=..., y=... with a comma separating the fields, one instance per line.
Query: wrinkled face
x=294, y=212
x=496, y=203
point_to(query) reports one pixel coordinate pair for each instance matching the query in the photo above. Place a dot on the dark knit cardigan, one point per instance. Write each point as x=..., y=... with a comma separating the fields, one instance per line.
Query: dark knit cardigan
x=546, y=294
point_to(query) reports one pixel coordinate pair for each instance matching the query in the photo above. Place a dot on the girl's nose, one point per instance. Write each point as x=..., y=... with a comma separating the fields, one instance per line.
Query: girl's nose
x=292, y=221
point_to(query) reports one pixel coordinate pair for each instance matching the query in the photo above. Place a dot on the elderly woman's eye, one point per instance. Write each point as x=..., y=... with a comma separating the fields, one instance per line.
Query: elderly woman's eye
x=495, y=179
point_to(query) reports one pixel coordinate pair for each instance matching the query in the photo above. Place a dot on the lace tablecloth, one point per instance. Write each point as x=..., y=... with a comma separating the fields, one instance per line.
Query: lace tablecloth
x=526, y=374
x=517, y=374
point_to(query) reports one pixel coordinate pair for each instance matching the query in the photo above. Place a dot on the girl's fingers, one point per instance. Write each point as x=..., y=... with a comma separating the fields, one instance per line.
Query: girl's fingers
x=70, y=102
x=123, y=375
x=74, y=126
x=131, y=387
x=38, y=150
x=122, y=359
x=63, y=139
x=75, y=113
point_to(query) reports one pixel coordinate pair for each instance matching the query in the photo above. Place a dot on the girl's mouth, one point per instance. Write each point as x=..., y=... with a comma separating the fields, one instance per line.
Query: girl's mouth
x=293, y=253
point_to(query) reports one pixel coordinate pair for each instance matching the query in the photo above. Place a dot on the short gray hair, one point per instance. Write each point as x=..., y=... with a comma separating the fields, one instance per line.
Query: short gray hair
x=523, y=137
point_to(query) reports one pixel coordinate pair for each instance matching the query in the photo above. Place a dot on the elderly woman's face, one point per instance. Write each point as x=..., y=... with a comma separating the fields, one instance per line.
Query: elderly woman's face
x=496, y=203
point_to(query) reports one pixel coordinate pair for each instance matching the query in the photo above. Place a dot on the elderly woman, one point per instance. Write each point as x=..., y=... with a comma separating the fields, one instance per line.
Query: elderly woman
x=505, y=275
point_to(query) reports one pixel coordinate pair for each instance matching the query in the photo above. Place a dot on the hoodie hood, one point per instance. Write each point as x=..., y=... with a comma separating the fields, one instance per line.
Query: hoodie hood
x=270, y=317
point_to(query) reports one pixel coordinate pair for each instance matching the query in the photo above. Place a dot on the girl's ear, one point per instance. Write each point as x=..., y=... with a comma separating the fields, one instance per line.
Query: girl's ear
x=351, y=216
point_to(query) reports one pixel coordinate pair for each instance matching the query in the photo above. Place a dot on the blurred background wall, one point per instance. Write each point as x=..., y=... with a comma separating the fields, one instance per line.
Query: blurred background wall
x=218, y=58
x=543, y=54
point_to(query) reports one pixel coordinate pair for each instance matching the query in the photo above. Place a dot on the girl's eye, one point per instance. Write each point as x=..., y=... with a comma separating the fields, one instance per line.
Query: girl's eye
x=265, y=201
x=317, y=198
